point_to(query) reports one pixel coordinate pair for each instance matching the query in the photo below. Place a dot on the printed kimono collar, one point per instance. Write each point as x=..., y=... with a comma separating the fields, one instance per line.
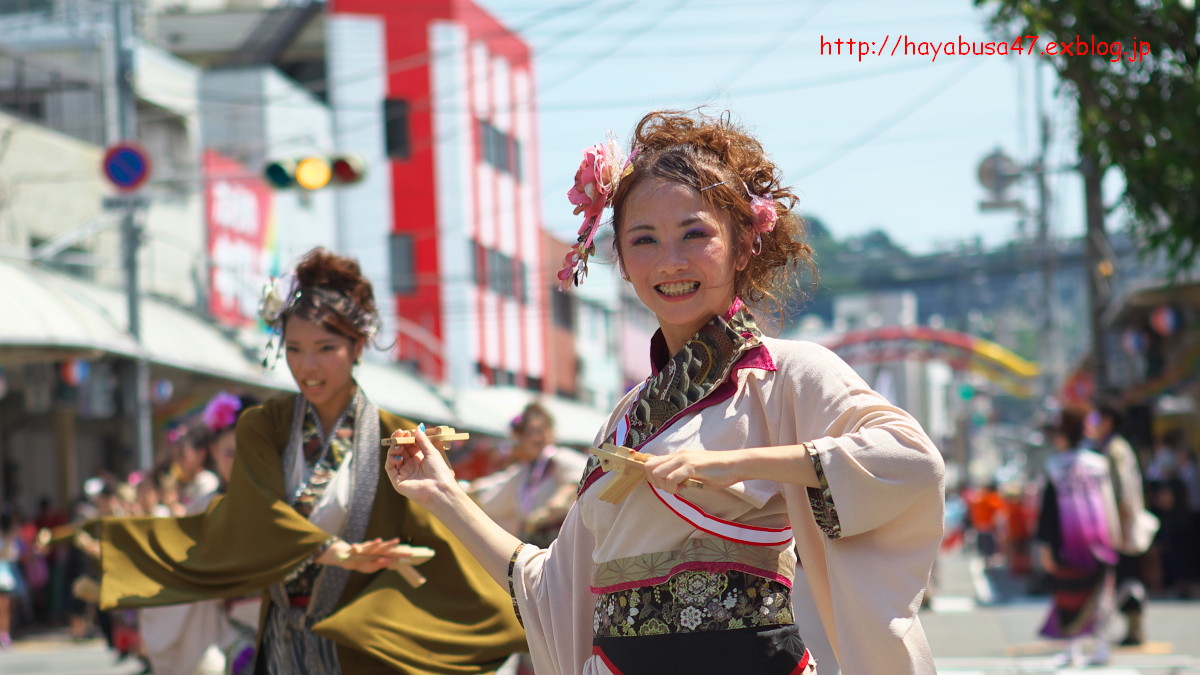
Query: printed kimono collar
x=699, y=374
x=736, y=320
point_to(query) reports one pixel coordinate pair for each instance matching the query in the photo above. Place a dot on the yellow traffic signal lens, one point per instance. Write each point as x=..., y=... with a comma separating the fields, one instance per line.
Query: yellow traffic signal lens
x=312, y=173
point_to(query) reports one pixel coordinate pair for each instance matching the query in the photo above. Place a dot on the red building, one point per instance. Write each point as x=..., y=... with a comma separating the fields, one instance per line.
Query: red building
x=458, y=121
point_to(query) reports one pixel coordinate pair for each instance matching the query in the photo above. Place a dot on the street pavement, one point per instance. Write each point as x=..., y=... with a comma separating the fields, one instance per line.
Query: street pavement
x=981, y=622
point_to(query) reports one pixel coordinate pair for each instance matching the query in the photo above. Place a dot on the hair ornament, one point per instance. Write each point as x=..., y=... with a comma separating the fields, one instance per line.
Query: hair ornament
x=763, y=208
x=278, y=296
x=596, y=180
x=176, y=433
x=222, y=411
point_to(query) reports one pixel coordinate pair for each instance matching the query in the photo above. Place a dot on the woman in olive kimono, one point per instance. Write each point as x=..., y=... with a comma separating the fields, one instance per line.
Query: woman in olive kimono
x=308, y=519
x=793, y=451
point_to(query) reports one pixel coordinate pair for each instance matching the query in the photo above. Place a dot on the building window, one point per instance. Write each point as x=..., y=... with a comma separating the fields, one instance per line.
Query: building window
x=479, y=271
x=500, y=150
x=500, y=272
x=403, y=263
x=396, y=131
x=562, y=310
x=26, y=6
x=514, y=154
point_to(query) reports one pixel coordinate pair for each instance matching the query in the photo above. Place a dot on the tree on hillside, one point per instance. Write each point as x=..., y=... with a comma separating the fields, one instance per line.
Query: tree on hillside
x=1139, y=111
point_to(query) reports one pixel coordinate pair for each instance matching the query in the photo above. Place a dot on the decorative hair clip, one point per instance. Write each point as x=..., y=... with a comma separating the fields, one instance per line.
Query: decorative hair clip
x=222, y=411
x=278, y=296
x=176, y=433
x=596, y=181
x=765, y=215
x=763, y=208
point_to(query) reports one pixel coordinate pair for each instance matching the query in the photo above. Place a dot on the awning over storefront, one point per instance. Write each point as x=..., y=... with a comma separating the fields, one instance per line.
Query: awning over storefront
x=489, y=410
x=47, y=313
x=43, y=317
x=47, y=316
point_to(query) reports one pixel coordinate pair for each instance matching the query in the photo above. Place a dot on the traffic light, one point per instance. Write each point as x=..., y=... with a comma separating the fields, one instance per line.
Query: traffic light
x=314, y=172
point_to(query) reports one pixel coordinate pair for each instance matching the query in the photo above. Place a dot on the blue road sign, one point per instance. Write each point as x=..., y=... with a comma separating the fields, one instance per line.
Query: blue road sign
x=126, y=166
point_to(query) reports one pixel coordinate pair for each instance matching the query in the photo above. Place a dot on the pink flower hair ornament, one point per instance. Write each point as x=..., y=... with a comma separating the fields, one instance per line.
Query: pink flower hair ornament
x=222, y=411
x=763, y=208
x=602, y=168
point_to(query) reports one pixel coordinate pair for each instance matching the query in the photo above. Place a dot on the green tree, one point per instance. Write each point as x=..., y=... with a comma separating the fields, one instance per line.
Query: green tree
x=1138, y=113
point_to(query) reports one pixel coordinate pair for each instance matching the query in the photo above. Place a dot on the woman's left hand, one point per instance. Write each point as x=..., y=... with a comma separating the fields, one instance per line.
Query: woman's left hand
x=715, y=469
x=366, y=557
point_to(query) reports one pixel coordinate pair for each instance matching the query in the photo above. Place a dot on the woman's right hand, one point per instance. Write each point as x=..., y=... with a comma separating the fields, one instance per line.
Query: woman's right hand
x=419, y=470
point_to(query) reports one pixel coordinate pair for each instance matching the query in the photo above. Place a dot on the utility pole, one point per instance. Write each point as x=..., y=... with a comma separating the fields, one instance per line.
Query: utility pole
x=131, y=229
x=1096, y=259
x=1099, y=269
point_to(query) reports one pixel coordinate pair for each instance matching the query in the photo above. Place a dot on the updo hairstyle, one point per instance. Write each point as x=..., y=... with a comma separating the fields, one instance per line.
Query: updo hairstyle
x=335, y=294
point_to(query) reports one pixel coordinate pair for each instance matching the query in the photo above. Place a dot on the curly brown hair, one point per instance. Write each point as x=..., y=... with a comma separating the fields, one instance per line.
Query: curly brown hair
x=718, y=158
x=324, y=279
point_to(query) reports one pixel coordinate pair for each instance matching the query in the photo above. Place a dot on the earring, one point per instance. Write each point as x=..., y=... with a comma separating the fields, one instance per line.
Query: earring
x=757, y=245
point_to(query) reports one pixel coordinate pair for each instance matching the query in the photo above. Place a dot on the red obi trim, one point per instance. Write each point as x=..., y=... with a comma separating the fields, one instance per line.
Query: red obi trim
x=803, y=665
x=596, y=651
x=298, y=601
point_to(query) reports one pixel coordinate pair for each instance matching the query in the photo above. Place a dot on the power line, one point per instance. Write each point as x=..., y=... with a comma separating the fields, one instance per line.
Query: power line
x=892, y=119
x=575, y=69
x=769, y=47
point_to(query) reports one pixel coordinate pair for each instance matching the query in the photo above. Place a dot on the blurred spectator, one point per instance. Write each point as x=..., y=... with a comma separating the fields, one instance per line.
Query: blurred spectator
x=1188, y=473
x=986, y=509
x=1078, y=530
x=531, y=497
x=192, y=465
x=10, y=572
x=49, y=517
x=1137, y=525
x=191, y=639
x=1018, y=531
x=149, y=496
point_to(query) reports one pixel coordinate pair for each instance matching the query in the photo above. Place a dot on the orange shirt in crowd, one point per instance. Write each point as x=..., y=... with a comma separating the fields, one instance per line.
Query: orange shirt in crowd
x=984, y=507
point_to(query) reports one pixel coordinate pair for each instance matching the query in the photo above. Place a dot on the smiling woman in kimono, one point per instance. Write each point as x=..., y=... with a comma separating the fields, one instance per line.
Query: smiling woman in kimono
x=308, y=519
x=795, y=452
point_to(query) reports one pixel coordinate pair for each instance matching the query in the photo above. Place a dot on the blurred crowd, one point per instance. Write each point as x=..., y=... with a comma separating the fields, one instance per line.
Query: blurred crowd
x=47, y=560
x=997, y=521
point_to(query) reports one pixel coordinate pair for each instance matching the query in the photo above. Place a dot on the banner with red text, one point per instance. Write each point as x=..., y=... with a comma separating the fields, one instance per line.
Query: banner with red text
x=241, y=243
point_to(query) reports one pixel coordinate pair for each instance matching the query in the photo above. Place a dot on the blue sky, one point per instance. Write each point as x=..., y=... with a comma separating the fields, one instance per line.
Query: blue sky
x=888, y=142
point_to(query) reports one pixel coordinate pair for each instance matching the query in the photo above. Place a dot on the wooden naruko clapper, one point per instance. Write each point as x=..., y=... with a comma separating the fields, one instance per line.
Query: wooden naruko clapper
x=626, y=466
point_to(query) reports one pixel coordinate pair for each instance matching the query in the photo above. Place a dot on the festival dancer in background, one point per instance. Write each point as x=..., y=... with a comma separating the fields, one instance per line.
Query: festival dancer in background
x=309, y=517
x=1079, y=530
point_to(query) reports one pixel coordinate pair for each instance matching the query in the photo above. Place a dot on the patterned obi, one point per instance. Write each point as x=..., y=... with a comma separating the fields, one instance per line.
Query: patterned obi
x=709, y=585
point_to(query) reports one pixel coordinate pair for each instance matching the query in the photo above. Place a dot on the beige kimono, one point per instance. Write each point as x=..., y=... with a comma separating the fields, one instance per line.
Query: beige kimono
x=512, y=495
x=865, y=552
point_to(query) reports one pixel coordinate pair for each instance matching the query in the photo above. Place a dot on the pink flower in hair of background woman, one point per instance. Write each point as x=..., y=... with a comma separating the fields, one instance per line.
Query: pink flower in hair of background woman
x=222, y=411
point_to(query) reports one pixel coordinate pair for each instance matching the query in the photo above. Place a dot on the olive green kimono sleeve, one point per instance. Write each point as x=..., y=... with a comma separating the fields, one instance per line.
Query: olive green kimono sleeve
x=248, y=539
